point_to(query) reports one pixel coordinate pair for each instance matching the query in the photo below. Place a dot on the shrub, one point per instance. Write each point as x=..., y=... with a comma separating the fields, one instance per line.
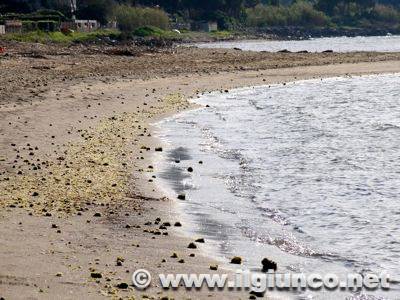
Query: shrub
x=299, y=13
x=386, y=14
x=40, y=36
x=225, y=22
x=148, y=31
x=29, y=26
x=303, y=14
x=266, y=15
x=131, y=18
x=47, y=25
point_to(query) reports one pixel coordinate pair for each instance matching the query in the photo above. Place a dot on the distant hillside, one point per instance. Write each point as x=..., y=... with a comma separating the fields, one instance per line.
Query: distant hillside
x=390, y=2
x=235, y=14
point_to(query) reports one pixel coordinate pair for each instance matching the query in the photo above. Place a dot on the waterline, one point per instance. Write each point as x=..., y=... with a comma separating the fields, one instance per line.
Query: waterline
x=305, y=173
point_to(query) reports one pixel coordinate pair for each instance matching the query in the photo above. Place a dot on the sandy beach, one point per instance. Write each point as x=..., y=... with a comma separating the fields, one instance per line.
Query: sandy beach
x=80, y=210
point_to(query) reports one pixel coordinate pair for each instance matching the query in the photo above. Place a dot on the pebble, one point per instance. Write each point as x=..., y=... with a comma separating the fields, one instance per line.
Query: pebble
x=192, y=246
x=96, y=275
x=122, y=285
x=257, y=294
x=268, y=265
x=120, y=260
x=237, y=260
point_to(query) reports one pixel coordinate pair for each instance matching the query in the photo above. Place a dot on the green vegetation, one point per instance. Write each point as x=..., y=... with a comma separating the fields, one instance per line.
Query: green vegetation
x=356, y=13
x=58, y=37
x=155, y=18
x=131, y=18
x=42, y=14
x=360, y=13
x=386, y=14
x=300, y=13
x=149, y=31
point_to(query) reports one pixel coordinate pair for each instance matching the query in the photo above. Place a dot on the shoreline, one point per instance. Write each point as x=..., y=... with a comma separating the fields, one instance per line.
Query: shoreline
x=215, y=252
x=166, y=188
x=38, y=259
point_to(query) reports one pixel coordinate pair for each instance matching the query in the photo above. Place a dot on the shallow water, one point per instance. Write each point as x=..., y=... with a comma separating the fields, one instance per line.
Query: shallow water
x=337, y=44
x=306, y=174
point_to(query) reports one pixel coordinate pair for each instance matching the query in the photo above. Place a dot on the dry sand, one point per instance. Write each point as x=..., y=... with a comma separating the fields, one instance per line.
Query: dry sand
x=74, y=145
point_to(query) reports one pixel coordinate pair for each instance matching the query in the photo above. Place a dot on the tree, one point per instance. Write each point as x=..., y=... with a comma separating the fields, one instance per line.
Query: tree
x=98, y=10
x=20, y=6
x=234, y=7
x=274, y=2
x=131, y=18
x=251, y=3
x=327, y=6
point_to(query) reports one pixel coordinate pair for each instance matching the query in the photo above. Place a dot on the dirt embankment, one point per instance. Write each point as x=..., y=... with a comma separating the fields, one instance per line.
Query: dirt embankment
x=33, y=68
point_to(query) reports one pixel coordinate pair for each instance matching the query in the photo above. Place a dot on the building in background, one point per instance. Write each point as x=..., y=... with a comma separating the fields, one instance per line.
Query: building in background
x=80, y=25
x=13, y=26
x=44, y=20
x=207, y=26
x=86, y=25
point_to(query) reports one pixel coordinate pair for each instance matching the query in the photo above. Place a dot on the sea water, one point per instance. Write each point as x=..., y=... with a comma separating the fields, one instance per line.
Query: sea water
x=389, y=43
x=306, y=174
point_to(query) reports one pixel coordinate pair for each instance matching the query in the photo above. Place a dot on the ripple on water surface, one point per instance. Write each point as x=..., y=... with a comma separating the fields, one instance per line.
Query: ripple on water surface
x=307, y=174
x=389, y=43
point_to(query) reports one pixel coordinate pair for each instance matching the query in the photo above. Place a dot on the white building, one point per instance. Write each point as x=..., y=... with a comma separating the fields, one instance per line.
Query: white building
x=86, y=25
x=80, y=25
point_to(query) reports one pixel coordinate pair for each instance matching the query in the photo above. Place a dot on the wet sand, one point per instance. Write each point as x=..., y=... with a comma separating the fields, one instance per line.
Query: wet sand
x=76, y=172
